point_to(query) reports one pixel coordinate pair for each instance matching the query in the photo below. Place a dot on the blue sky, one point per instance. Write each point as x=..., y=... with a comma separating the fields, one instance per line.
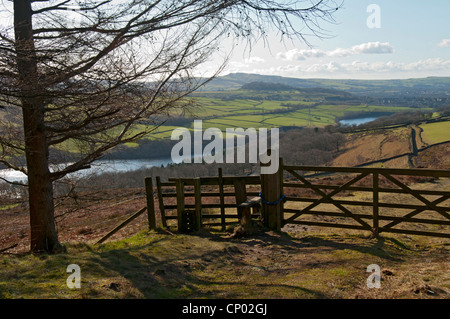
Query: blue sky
x=413, y=40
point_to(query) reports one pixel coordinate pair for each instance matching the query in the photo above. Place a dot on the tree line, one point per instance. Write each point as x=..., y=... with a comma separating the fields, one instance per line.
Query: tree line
x=303, y=146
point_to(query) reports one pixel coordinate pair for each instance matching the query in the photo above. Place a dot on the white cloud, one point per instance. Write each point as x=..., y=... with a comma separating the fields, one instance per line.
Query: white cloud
x=254, y=60
x=236, y=66
x=297, y=55
x=359, y=69
x=330, y=67
x=445, y=43
x=243, y=65
x=432, y=64
x=364, y=48
x=428, y=64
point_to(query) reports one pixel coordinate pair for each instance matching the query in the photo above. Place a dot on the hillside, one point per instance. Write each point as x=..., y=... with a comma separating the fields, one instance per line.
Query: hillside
x=159, y=265
x=431, y=86
x=299, y=262
x=266, y=86
x=249, y=100
x=424, y=145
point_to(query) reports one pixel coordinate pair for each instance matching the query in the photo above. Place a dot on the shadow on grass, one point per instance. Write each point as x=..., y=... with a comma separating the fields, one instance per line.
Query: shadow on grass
x=177, y=271
x=204, y=264
x=375, y=247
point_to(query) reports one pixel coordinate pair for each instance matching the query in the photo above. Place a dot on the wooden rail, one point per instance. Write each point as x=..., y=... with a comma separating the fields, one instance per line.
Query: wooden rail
x=122, y=225
x=384, y=214
x=194, y=215
x=378, y=200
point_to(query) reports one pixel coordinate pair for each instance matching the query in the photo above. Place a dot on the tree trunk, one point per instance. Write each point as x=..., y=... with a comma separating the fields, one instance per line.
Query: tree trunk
x=40, y=189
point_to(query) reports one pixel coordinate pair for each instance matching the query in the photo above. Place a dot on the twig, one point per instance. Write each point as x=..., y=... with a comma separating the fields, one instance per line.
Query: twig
x=123, y=224
x=7, y=248
x=167, y=231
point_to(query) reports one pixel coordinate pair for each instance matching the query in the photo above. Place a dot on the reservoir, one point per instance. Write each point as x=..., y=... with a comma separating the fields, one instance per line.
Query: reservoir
x=358, y=121
x=98, y=167
x=126, y=165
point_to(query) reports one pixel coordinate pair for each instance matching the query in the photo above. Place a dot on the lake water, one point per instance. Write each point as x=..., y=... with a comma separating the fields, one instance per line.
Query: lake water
x=98, y=167
x=358, y=121
x=108, y=166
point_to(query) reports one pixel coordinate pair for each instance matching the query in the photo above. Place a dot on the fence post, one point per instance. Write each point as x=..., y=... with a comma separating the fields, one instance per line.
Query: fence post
x=280, y=185
x=150, y=203
x=376, y=208
x=198, y=204
x=240, y=194
x=161, y=201
x=180, y=204
x=222, y=199
x=271, y=192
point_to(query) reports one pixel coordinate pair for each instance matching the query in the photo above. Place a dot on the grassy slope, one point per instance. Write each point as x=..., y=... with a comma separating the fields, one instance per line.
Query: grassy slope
x=436, y=132
x=207, y=265
x=296, y=264
x=367, y=147
x=301, y=263
x=246, y=113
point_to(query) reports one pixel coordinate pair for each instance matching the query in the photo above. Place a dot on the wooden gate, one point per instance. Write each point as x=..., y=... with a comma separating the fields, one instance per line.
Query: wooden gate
x=378, y=200
x=215, y=201
x=372, y=199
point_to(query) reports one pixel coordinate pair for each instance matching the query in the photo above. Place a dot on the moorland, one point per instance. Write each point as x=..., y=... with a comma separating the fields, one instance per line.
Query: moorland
x=412, y=130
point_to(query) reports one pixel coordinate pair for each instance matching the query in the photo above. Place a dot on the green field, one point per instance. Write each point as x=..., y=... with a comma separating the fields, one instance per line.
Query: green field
x=223, y=110
x=257, y=109
x=436, y=132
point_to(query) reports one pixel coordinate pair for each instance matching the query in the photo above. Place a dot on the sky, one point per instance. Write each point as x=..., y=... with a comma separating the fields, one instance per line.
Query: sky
x=375, y=39
x=370, y=39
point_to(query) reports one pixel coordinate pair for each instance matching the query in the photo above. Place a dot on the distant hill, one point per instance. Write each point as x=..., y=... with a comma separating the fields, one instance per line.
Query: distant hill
x=266, y=86
x=430, y=86
x=279, y=87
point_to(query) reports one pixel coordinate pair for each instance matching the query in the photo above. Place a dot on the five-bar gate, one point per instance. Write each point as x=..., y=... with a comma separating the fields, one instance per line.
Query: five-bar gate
x=378, y=200
x=373, y=199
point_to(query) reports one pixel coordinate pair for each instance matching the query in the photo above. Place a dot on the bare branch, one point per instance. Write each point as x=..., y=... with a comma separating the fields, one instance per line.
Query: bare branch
x=77, y=89
x=58, y=6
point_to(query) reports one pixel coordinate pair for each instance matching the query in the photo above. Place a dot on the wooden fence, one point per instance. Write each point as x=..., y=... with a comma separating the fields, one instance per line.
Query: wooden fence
x=373, y=199
x=223, y=193
x=378, y=200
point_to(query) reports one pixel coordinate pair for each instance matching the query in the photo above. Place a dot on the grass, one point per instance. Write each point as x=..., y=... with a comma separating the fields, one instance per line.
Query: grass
x=436, y=132
x=247, y=113
x=8, y=206
x=218, y=111
x=208, y=264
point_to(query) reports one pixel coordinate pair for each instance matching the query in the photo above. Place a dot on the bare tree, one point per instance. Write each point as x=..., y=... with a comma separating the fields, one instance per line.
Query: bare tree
x=86, y=76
